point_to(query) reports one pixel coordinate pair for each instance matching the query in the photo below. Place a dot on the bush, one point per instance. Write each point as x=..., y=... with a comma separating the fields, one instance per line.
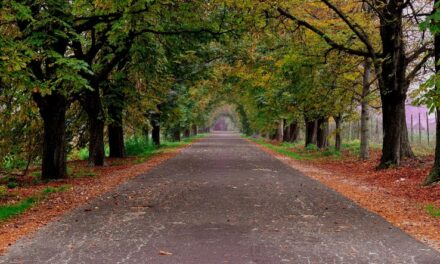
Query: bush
x=136, y=146
x=331, y=152
x=11, y=162
x=312, y=147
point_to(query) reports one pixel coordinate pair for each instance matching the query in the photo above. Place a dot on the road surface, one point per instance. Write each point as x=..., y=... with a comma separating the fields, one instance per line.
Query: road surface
x=222, y=200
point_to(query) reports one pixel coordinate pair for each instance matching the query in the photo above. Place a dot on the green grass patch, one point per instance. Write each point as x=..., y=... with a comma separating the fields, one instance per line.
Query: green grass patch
x=49, y=189
x=8, y=211
x=139, y=146
x=299, y=152
x=83, y=173
x=433, y=210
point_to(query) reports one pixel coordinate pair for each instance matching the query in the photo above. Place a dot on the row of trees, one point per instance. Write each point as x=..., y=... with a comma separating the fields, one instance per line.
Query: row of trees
x=312, y=61
x=75, y=69
x=71, y=70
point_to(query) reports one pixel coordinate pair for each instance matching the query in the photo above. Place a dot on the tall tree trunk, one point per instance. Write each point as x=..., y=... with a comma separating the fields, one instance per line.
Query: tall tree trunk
x=434, y=175
x=405, y=145
x=194, y=130
x=155, y=133
x=280, y=134
x=116, y=141
x=286, y=132
x=322, y=133
x=392, y=82
x=294, y=132
x=365, y=113
x=53, y=112
x=311, y=130
x=338, y=138
x=176, y=134
x=115, y=128
x=187, y=133
x=93, y=107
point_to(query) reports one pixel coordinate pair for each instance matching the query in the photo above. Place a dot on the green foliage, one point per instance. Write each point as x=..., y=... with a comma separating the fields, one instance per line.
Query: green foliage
x=83, y=173
x=433, y=210
x=331, y=151
x=49, y=190
x=139, y=146
x=8, y=211
x=312, y=147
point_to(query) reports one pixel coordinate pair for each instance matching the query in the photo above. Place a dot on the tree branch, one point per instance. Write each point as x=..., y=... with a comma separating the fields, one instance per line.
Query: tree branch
x=326, y=38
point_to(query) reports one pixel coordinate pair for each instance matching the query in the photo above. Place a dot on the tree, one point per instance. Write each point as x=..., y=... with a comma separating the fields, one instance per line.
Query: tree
x=389, y=60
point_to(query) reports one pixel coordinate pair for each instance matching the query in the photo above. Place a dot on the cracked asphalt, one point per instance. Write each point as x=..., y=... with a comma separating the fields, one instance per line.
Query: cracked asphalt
x=222, y=200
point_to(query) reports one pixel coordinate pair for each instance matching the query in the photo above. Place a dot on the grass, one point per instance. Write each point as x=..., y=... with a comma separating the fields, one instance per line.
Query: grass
x=8, y=211
x=83, y=173
x=139, y=147
x=311, y=152
x=50, y=190
x=433, y=210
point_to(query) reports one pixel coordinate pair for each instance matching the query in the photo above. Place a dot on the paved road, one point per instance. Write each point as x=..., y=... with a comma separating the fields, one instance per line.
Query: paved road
x=221, y=201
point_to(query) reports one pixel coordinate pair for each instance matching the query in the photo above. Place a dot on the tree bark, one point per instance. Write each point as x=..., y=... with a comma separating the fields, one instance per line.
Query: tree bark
x=53, y=112
x=187, y=133
x=434, y=175
x=116, y=141
x=176, y=134
x=322, y=133
x=115, y=128
x=194, y=130
x=365, y=112
x=338, y=138
x=294, y=132
x=405, y=145
x=93, y=107
x=311, y=130
x=392, y=83
x=286, y=132
x=155, y=133
x=280, y=133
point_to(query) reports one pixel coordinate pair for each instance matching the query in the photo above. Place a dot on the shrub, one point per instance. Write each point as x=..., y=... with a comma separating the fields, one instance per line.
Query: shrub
x=136, y=146
x=312, y=147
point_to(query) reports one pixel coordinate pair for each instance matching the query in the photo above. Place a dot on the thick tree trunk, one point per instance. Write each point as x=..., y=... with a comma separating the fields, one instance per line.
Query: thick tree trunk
x=311, y=130
x=392, y=107
x=194, y=130
x=365, y=113
x=116, y=141
x=322, y=133
x=294, y=132
x=187, y=133
x=155, y=133
x=392, y=83
x=95, y=114
x=405, y=146
x=338, y=138
x=176, y=134
x=115, y=128
x=286, y=132
x=53, y=112
x=280, y=133
x=434, y=175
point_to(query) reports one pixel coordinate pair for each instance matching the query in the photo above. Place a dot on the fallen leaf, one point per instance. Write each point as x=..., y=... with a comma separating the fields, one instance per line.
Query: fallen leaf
x=165, y=253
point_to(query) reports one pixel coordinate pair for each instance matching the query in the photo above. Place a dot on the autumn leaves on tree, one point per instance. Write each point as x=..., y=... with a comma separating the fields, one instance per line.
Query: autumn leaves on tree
x=94, y=71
